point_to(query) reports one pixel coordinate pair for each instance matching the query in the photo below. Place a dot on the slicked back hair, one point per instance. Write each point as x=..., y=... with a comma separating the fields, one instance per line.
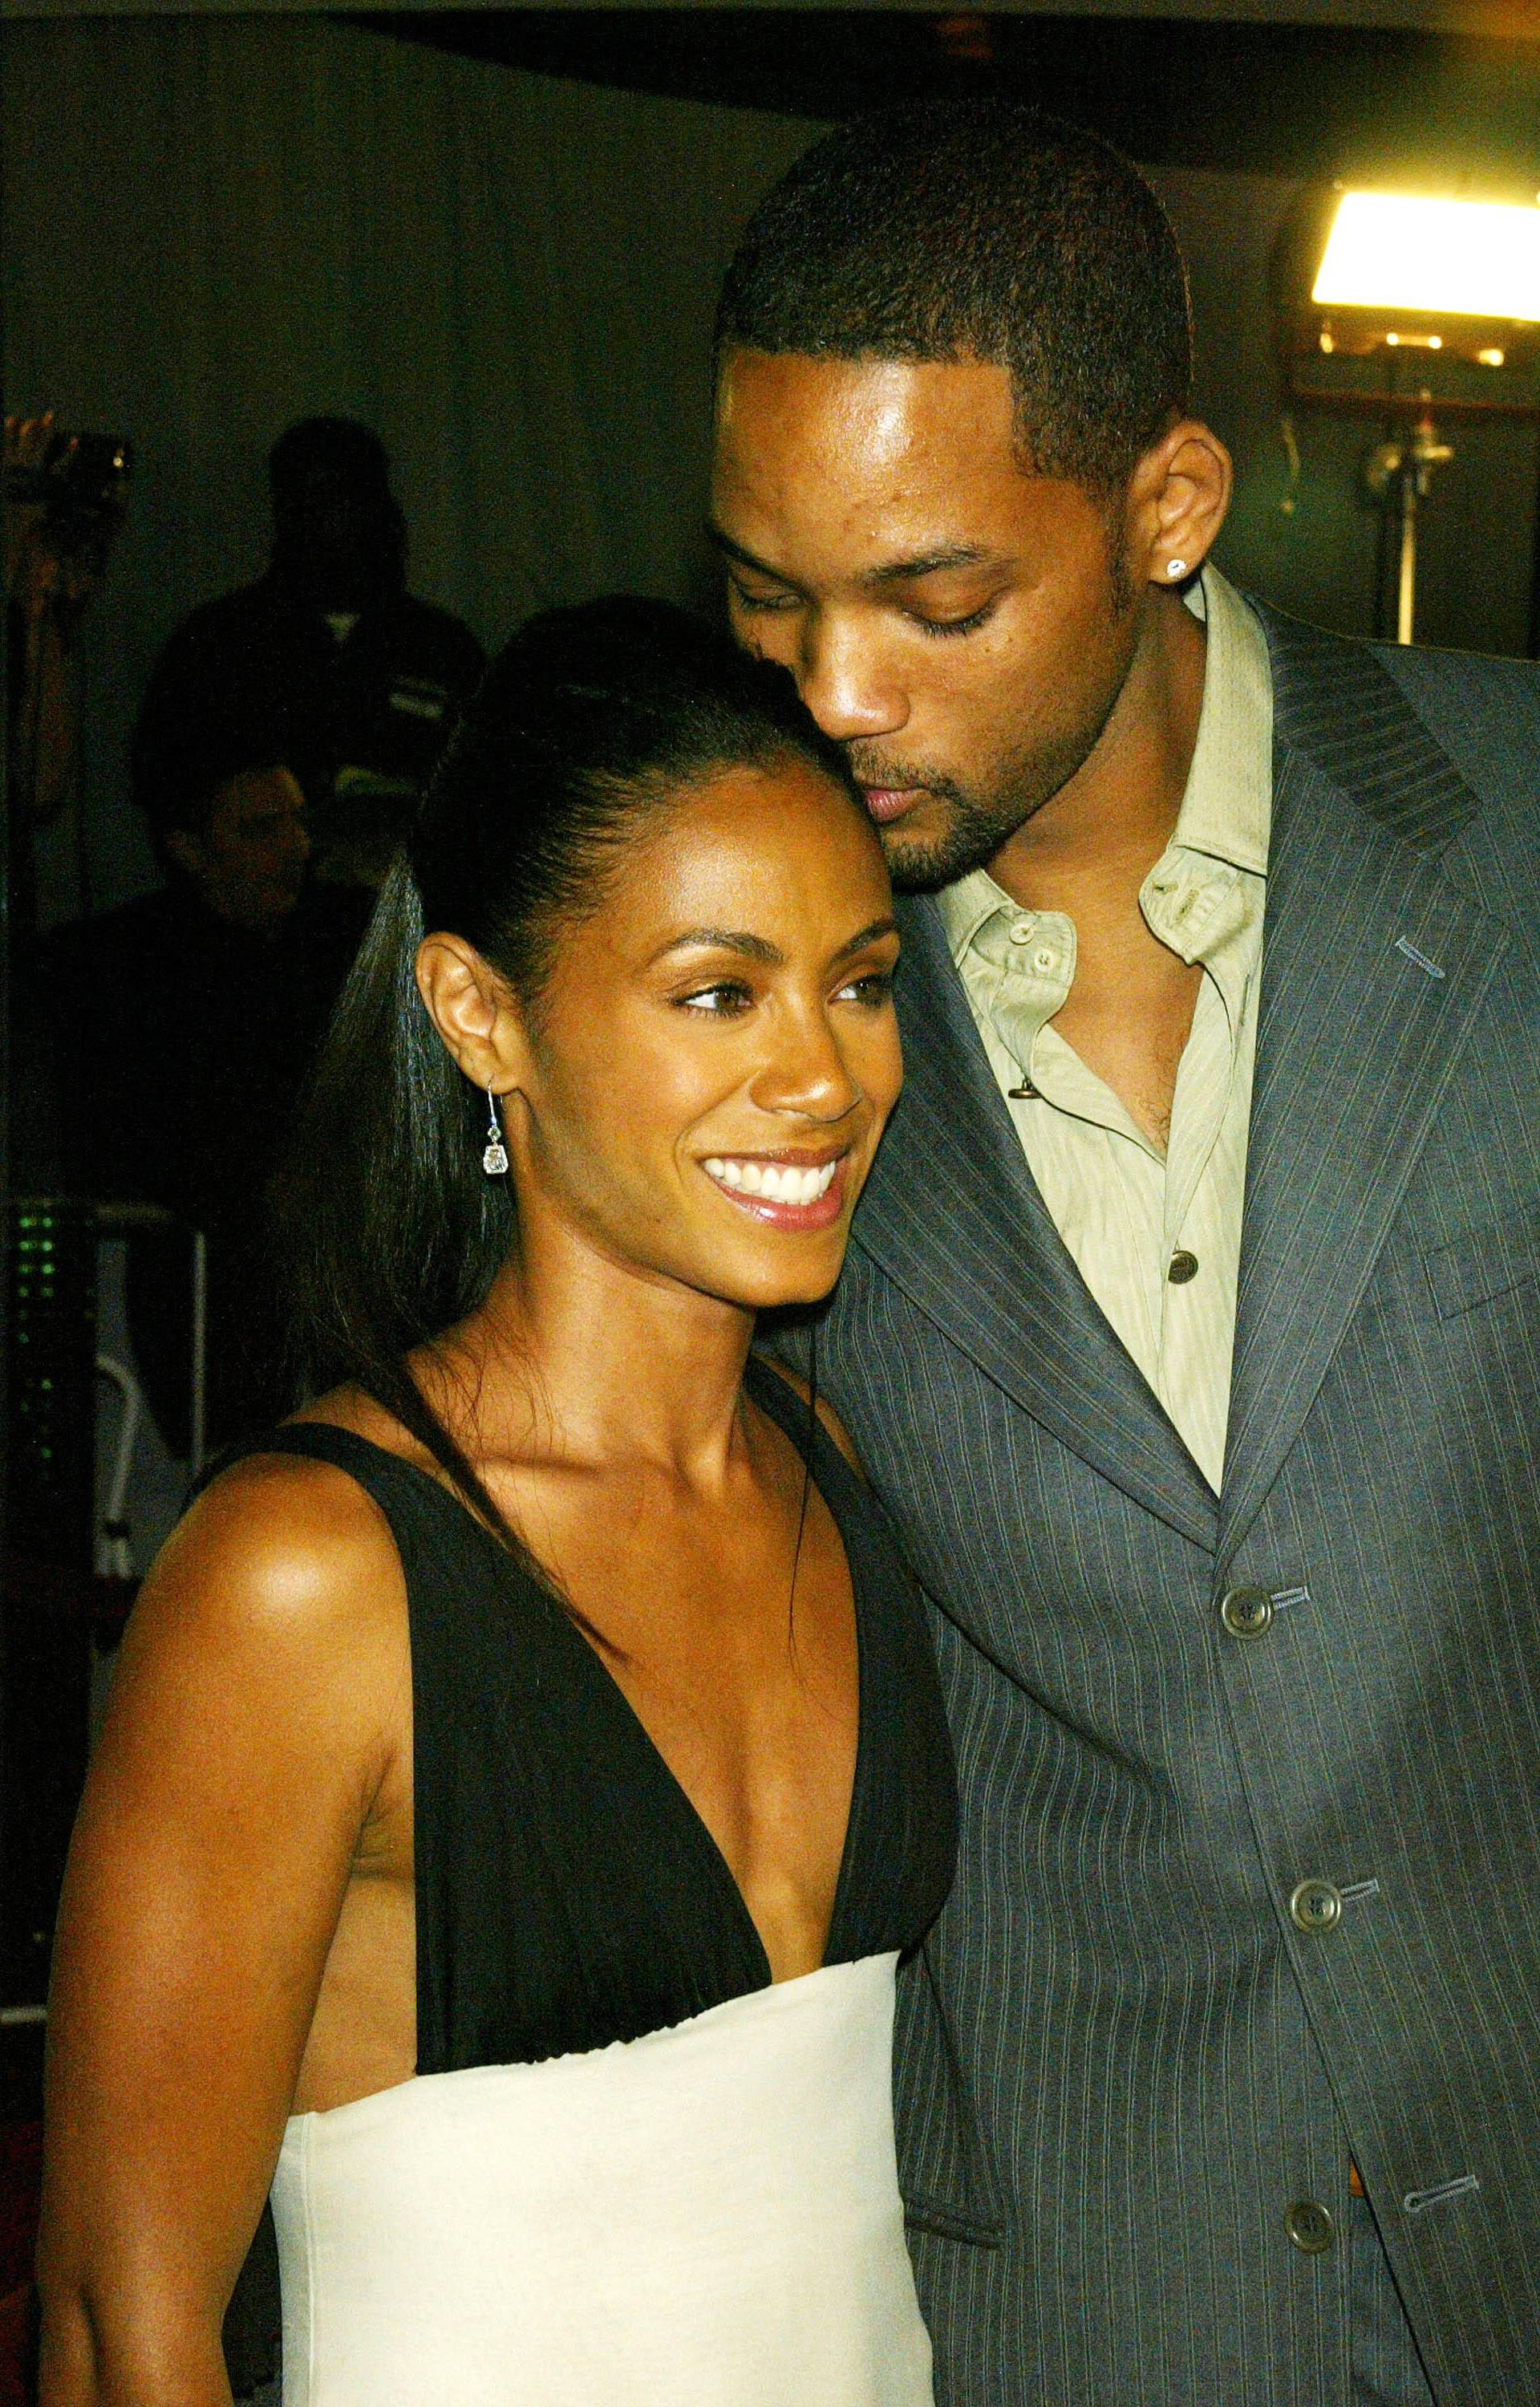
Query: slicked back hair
x=985, y=230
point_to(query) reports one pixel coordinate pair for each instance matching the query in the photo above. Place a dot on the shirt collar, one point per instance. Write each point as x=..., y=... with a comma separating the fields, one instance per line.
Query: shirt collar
x=1226, y=810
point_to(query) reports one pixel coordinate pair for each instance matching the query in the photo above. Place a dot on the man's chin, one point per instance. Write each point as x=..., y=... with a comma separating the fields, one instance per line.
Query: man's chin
x=922, y=864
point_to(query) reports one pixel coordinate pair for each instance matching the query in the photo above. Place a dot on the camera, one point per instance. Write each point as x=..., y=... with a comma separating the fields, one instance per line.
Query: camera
x=81, y=481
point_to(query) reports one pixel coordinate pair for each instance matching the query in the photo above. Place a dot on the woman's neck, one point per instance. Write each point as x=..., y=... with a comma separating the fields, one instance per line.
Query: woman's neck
x=578, y=1358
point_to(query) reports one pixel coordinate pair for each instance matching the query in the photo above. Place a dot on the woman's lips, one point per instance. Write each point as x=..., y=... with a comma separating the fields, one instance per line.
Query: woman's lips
x=815, y=1199
x=887, y=803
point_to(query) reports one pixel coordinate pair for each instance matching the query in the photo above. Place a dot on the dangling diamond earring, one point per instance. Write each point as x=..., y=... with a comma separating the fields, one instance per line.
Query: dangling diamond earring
x=1176, y=569
x=495, y=1159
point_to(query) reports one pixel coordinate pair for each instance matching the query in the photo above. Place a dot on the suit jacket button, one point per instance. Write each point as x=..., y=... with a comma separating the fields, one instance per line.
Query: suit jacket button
x=1310, y=2227
x=1316, y=1906
x=1247, y=1611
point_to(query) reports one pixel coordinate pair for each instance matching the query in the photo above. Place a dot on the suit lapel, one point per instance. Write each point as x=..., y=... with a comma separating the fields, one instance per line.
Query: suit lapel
x=1357, y=1038
x=1357, y=1042
x=952, y=1214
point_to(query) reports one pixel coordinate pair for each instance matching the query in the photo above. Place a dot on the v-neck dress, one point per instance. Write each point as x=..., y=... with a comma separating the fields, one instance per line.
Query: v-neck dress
x=629, y=2171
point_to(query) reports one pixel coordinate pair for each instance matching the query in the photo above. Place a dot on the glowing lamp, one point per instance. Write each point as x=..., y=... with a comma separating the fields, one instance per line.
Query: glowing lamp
x=1414, y=311
x=1464, y=258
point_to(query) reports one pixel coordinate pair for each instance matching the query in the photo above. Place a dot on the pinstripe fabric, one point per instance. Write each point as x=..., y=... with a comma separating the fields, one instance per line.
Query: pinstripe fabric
x=1120, y=2061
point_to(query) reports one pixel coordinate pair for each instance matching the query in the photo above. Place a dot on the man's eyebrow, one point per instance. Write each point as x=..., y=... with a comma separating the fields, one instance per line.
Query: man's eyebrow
x=721, y=541
x=897, y=572
x=722, y=940
x=933, y=563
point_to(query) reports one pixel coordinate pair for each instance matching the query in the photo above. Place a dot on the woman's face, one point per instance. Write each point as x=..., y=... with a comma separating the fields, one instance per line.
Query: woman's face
x=715, y=1051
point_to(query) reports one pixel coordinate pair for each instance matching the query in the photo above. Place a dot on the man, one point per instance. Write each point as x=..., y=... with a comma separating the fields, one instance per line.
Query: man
x=362, y=681
x=1220, y=2082
x=186, y=1022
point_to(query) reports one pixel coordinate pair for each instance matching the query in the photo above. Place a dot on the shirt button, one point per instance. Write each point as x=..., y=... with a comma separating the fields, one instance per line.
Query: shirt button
x=1316, y=1906
x=1043, y=960
x=1310, y=2228
x=1022, y=932
x=1246, y=1612
x=1182, y=1267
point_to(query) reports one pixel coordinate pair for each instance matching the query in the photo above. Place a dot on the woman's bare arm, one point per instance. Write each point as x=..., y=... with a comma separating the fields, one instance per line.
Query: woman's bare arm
x=256, y=1711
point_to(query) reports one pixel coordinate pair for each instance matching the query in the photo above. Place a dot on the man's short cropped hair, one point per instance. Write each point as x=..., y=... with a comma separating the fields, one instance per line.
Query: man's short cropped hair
x=987, y=230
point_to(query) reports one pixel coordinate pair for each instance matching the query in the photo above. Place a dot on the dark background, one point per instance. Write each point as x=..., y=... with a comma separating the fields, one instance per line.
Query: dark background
x=496, y=234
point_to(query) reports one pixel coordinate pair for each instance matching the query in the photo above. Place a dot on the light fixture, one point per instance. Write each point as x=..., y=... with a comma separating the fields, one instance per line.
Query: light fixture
x=1379, y=294
x=1464, y=258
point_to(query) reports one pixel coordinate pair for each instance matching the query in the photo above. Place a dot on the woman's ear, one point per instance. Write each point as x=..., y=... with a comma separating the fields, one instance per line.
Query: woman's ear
x=469, y=1004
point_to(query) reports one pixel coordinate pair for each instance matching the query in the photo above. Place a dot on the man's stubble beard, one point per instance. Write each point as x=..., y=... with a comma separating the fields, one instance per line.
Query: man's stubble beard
x=977, y=826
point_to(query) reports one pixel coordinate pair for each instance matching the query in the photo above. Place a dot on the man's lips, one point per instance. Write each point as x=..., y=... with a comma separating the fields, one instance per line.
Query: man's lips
x=887, y=803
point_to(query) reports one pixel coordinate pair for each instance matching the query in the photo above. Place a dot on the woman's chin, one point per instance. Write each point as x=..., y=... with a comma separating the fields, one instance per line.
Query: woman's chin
x=786, y=1285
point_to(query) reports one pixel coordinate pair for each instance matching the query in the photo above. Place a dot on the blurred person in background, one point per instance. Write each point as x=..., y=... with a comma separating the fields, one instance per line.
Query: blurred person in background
x=361, y=681
x=63, y=504
x=185, y=1023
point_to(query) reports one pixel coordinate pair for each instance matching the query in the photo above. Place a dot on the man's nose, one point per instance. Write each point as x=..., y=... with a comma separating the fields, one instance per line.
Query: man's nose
x=845, y=684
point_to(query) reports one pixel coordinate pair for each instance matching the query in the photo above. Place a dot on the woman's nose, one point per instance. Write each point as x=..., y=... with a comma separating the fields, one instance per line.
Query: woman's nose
x=806, y=1073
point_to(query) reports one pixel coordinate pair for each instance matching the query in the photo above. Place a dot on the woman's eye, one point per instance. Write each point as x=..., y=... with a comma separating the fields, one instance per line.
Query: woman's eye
x=723, y=1001
x=871, y=990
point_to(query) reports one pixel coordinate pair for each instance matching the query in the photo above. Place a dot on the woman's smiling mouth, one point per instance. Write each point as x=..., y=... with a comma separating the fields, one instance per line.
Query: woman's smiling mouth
x=787, y=1194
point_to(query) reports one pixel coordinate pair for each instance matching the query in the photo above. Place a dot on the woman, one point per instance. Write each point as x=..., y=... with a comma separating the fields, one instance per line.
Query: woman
x=525, y=1767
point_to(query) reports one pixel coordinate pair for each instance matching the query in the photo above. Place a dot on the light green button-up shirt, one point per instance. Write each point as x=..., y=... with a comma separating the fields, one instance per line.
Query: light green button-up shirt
x=1125, y=1212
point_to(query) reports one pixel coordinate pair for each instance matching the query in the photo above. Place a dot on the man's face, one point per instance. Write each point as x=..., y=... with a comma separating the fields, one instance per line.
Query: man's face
x=962, y=626
x=248, y=863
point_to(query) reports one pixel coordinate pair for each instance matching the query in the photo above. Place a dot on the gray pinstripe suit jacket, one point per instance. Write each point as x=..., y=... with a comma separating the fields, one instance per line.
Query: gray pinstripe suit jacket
x=1119, y=2061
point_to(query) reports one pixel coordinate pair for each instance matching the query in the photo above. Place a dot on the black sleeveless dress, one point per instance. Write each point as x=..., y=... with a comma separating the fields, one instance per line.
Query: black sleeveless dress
x=567, y=1894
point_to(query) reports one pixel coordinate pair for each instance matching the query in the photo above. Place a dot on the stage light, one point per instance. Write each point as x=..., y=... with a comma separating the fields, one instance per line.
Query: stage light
x=1416, y=311
x=1464, y=258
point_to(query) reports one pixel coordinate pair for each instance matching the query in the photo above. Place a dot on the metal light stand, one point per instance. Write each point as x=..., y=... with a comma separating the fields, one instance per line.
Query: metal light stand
x=1399, y=473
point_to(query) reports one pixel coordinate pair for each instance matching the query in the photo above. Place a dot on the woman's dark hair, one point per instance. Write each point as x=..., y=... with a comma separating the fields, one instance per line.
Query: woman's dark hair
x=585, y=730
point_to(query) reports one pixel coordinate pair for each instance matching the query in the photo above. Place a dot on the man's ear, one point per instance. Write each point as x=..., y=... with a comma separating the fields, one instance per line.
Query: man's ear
x=1177, y=499
x=469, y=1004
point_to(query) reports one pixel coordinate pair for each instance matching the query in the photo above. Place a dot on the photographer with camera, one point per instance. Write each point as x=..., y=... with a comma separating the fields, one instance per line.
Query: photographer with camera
x=64, y=498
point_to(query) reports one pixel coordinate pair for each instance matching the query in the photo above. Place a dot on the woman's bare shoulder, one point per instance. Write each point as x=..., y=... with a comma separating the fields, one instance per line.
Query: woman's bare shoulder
x=281, y=1544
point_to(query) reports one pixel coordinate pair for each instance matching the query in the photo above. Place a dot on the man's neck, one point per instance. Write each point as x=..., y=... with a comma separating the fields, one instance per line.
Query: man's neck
x=1088, y=851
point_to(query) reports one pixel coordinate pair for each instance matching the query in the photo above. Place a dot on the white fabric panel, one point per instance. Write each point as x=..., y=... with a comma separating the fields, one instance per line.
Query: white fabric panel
x=707, y=2217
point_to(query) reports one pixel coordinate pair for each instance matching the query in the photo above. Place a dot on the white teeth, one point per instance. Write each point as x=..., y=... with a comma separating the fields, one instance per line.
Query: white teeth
x=778, y=1182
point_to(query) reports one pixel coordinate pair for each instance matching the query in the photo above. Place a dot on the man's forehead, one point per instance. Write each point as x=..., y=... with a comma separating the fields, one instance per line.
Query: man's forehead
x=889, y=411
x=889, y=463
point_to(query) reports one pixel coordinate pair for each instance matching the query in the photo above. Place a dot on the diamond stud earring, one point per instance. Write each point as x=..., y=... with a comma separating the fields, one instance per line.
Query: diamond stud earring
x=1176, y=569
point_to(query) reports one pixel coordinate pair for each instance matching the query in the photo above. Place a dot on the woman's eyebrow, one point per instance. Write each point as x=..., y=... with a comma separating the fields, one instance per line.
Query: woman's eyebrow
x=865, y=936
x=725, y=940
